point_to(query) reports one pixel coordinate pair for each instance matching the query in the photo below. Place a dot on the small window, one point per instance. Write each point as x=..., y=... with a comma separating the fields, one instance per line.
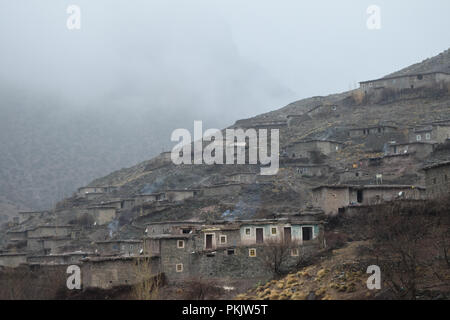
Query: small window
x=180, y=244
x=252, y=253
x=434, y=180
x=419, y=77
x=247, y=231
x=273, y=231
x=307, y=233
x=223, y=239
x=446, y=178
x=428, y=136
x=179, y=267
x=294, y=252
x=230, y=252
x=418, y=137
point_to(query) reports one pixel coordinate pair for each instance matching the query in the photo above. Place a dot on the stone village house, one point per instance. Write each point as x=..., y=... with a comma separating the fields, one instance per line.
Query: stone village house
x=408, y=81
x=232, y=250
x=334, y=198
x=304, y=148
x=437, y=179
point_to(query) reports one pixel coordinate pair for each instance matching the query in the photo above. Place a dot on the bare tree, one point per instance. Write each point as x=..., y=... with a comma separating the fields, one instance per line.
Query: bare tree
x=279, y=256
x=404, y=238
x=147, y=282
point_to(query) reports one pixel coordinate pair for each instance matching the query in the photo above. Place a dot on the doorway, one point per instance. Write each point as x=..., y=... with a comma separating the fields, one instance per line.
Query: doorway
x=359, y=196
x=287, y=234
x=307, y=233
x=209, y=241
x=259, y=235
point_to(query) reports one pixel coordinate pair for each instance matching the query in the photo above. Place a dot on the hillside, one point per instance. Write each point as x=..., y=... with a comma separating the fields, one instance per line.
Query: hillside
x=351, y=175
x=439, y=63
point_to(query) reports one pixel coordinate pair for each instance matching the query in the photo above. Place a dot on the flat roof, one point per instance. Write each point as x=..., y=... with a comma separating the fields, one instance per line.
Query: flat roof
x=149, y=194
x=374, y=127
x=405, y=76
x=50, y=226
x=413, y=142
x=115, y=258
x=31, y=212
x=315, y=140
x=436, y=165
x=370, y=186
x=181, y=190
x=12, y=254
x=120, y=240
x=169, y=236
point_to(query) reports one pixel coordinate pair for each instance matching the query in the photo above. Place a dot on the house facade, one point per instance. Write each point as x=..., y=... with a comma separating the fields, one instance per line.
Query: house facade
x=437, y=179
x=410, y=81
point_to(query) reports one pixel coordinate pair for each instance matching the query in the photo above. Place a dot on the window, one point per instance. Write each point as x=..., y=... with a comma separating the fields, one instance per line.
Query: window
x=179, y=267
x=230, y=252
x=294, y=252
x=247, y=231
x=180, y=244
x=434, y=180
x=223, y=239
x=420, y=77
x=209, y=241
x=428, y=136
x=259, y=235
x=418, y=137
x=359, y=196
x=273, y=231
x=307, y=233
x=252, y=253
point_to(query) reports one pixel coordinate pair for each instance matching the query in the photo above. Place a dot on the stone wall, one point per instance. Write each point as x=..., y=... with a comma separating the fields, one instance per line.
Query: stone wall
x=102, y=215
x=221, y=190
x=421, y=150
x=408, y=82
x=179, y=195
x=119, y=247
x=49, y=231
x=107, y=273
x=437, y=180
x=12, y=260
x=303, y=149
x=331, y=199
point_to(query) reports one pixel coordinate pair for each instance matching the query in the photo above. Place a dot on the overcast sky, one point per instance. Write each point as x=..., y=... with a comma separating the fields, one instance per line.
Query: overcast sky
x=218, y=52
x=78, y=104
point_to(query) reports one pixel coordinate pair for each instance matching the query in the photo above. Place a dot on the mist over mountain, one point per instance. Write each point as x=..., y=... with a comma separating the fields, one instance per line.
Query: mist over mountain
x=77, y=106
